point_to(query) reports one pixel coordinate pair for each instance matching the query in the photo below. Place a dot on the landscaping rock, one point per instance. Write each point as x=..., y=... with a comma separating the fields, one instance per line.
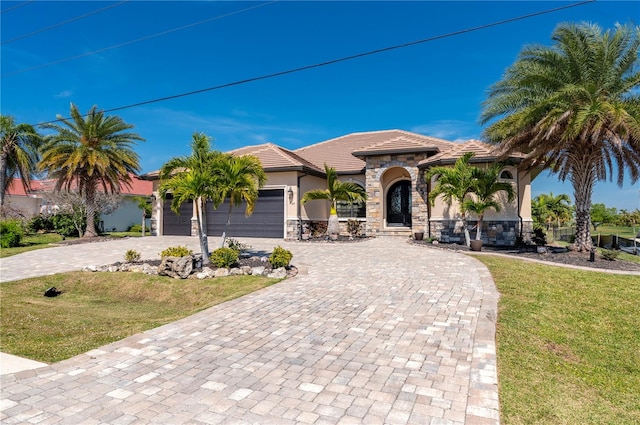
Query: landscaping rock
x=176, y=267
x=206, y=273
x=89, y=269
x=221, y=272
x=235, y=272
x=279, y=273
x=257, y=271
x=246, y=269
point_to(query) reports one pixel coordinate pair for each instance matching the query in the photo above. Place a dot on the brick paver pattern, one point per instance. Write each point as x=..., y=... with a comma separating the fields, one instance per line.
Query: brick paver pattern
x=373, y=332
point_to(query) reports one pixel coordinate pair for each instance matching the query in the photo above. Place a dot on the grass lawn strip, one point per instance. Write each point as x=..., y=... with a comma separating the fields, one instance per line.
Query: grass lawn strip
x=568, y=344
x=96, y=309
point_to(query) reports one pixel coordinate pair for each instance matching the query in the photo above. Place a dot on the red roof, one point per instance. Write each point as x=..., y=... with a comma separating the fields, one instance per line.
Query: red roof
x=138, y=187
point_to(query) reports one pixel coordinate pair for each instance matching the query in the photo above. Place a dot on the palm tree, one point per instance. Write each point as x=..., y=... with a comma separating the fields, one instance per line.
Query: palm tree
x=573, y=108
x=486, y=186
x=547, y=208
x=90, y=152
x=335, y=191
x=454, y=184
x=19, y=153
x=192, y=178
x=238, y=179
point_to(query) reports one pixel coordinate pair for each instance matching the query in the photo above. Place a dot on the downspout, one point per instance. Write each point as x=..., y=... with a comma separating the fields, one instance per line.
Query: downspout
x=518, y=201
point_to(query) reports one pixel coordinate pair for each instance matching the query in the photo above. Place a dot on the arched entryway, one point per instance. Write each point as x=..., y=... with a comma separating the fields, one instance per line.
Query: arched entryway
x=398, y=204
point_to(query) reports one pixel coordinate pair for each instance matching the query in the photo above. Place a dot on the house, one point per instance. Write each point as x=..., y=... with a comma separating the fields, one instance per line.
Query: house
x=389, y=164
x=37, y=200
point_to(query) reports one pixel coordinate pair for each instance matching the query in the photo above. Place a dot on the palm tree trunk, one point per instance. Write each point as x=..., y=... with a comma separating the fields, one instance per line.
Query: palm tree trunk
x=226, y=227
x=204, y=248
x=3, y=175
x=333, y=226
x=479, y=231
x=583, y=180
x=90, y=198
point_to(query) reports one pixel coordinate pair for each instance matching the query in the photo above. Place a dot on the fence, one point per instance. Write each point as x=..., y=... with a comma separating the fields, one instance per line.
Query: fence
x=631, y=246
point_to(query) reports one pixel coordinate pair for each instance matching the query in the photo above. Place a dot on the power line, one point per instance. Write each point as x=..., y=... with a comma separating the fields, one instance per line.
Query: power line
x=342, y=59
x=24, y=3
x=59, y=24
x=126, y=43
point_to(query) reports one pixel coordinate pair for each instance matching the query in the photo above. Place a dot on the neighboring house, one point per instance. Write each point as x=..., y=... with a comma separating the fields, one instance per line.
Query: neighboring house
x=35, y=201
x=390, y=165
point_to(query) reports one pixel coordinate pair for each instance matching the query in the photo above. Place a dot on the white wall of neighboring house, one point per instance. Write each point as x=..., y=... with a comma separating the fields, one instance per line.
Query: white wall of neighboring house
x=121, y=219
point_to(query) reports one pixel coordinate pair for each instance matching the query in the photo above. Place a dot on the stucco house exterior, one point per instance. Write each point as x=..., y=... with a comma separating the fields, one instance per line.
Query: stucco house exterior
x=389, y=164
x=36, y=200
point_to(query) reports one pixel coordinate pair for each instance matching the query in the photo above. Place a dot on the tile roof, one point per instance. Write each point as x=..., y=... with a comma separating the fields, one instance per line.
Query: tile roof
x=276, y=158
x=483, y=152
x=138, y=187
x=339, y=152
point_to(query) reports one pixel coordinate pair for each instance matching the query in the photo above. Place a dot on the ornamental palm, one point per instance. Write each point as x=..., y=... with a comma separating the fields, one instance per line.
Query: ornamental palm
x=548, y=207
x=18, y=154
x=335, y=191
x=454, y=184
x=573, y=108
x=238, y=179
x=90, y=152
x=486, y=186
x=191, y=178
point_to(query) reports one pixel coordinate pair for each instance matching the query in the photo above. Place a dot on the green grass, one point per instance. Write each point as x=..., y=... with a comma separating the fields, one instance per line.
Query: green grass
x=99, y=308
x=568, y=344
x=31, y=243
x=622, y=231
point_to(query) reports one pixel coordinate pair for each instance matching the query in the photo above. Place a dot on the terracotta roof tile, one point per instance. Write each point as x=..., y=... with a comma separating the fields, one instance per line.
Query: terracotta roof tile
x=337, y=152
x=138, y=187
x=274, y=158
x=483, y=152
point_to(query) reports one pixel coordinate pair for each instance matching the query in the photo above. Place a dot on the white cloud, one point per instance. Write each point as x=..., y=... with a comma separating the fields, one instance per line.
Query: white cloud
x=453, y=130
x=64, y=93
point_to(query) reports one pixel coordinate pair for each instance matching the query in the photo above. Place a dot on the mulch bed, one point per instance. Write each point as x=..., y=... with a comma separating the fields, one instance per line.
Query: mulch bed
x=554, y=255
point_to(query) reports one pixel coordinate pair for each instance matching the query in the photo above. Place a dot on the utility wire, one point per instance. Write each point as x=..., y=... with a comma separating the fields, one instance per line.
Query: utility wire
x=59, y=24
x=126, y=43
x=24, y=3
x=333, y=61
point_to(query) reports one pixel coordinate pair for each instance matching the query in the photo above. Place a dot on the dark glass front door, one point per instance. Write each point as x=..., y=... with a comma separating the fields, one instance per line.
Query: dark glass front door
x=399, y=204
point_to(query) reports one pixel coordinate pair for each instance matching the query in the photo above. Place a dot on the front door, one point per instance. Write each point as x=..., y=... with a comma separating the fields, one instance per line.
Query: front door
x=399, y=204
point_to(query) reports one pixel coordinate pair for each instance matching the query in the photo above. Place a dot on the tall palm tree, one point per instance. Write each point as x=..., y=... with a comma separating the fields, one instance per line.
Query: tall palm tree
x=238, y=179
x=454, y=184
x=192, y=178
x=19, y=153
x=486, y=187
x=335, y=191
x=90, y=152
x=574, y=108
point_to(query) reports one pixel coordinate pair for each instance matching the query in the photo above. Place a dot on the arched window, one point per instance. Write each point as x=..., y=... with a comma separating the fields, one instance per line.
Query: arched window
x=506, y=175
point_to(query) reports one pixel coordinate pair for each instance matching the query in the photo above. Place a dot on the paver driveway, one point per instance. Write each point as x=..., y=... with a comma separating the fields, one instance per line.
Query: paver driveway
x=379, y=331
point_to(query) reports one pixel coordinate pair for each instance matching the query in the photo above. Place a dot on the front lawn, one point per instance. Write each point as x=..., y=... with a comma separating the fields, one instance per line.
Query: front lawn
x=99, y=308
x=32, y=242
x=568, y=344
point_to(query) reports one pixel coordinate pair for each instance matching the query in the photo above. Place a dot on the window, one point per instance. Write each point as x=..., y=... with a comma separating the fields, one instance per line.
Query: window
x=506, y=175
x=351, y=210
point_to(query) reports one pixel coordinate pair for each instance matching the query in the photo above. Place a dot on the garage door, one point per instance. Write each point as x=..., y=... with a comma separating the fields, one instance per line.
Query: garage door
x=176, y=224
x=267, y=220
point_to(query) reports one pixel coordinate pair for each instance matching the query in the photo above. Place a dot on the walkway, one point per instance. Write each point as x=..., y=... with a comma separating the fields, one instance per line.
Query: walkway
x=376, y=332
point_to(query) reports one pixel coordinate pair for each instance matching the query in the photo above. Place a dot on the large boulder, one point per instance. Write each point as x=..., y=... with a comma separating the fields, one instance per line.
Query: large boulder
x=176, y=267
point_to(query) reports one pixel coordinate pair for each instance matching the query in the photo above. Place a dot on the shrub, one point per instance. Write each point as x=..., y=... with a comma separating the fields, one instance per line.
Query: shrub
x=132, y=256
x=318, y=228
x=11, y=233
x=609, y=254
x=176, y=251
x=64, y=224
x=137, y=228
x=224, y=257
x=539, y=236
x=237, y=246
x=280, y=257
x=40, y=223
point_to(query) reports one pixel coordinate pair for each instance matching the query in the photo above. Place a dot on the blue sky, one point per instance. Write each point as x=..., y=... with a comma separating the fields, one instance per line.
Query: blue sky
x=434, y=88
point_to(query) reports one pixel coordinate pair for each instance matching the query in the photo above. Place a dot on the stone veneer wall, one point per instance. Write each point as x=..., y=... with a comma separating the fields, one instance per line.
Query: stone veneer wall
x=376, y=167
x=293, y=227
x=496, y=233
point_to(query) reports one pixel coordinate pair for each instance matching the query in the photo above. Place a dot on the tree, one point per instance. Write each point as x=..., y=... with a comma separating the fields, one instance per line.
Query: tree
x=454, y=184
x=573, y=108
x=90, y=152
x=238, y=179
x=142, y=202
x=19, y=153
x=547, y=208
x=335, y=191
x=486, y=187
x=192, y=178
x=600, y=214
